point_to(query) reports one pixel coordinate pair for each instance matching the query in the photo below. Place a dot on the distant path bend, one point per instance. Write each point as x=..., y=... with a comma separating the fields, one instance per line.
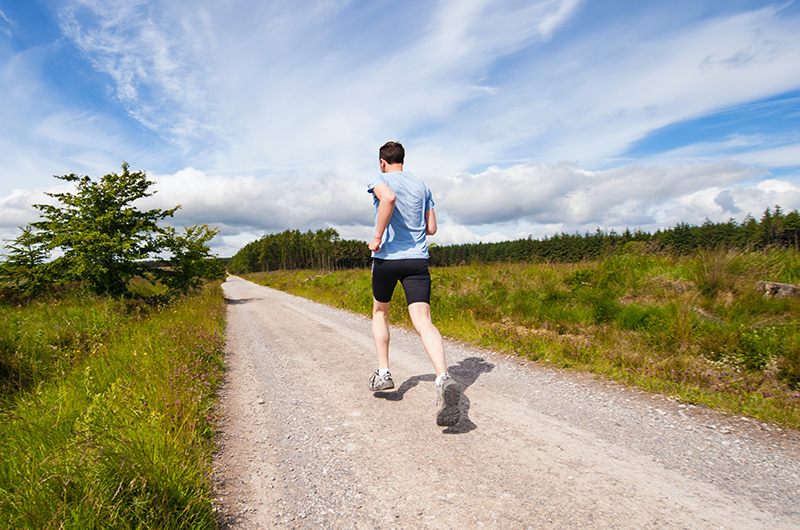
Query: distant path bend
x=304, y=444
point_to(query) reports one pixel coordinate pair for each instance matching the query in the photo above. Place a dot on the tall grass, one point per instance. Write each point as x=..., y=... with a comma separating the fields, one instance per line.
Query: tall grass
x=107, y=412
x=691, y=327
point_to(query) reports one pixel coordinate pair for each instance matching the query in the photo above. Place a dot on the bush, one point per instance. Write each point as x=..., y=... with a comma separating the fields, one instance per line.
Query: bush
x=635, y=317
x=758, y=346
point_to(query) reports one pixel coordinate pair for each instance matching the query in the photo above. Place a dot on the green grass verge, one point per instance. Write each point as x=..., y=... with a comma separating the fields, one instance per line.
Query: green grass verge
x=693, y=328
x=106, y=414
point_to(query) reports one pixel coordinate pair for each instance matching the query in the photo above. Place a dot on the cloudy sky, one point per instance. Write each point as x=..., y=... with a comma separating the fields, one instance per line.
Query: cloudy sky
x=525, y=117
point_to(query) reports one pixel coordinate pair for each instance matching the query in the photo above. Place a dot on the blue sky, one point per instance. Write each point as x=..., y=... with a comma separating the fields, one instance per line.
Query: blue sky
x=525, y=117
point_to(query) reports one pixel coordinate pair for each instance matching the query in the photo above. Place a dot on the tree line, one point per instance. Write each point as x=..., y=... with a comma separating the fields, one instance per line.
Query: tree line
x=293, y=249
x=324, y=249
x=775, y=229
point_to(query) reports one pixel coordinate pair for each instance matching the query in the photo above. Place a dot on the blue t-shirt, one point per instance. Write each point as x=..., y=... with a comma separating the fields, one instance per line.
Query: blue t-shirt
x=405, y=236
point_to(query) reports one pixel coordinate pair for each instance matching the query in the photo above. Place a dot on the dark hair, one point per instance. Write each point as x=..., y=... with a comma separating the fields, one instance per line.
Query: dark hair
x=393, y=153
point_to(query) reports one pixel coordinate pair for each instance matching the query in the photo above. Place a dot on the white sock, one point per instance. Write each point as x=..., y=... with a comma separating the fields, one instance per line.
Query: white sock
x=382, y=371
x=441, y=378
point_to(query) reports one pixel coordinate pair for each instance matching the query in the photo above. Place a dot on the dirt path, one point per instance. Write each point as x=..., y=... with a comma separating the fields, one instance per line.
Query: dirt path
x=304, y=444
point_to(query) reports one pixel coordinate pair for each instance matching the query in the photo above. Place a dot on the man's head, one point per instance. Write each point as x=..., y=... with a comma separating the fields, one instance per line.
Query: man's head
x=392, y=153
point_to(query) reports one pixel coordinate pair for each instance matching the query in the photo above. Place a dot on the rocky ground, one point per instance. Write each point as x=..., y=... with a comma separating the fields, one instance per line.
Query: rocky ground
x=304, y=444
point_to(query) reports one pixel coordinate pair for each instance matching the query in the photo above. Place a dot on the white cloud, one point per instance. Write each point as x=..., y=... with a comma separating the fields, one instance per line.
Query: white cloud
x=561, y=193
x=537, y=198
x=695, y=207
x=16, y=209
x=250, y=205
x=786, y=155
x=227, y=245
x=450, y=233
x=495, y=205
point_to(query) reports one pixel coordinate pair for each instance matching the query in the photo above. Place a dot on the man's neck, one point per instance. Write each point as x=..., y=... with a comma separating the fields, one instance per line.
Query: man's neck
x=391, y=168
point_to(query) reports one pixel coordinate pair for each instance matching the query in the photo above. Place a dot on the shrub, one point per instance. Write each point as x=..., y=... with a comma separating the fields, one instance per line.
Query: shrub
x=635, y=317
x=758, y=346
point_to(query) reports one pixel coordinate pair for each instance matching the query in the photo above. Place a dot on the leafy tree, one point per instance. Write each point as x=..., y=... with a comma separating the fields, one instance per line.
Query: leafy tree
x=191, y=258
x=24, y=267
x=104, y=239
x=215, y=269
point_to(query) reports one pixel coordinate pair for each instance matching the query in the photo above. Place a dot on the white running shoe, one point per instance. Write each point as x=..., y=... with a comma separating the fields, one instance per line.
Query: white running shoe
x=448, y=397
x=378, y=383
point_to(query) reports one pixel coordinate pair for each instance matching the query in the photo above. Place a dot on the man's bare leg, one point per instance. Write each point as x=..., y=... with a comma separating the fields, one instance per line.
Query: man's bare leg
x=380, y=332
x=448, y=392
x=420, y=313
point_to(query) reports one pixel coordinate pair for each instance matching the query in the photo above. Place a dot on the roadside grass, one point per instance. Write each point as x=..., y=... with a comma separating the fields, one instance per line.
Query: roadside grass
x=693, y=328
x=106, y=411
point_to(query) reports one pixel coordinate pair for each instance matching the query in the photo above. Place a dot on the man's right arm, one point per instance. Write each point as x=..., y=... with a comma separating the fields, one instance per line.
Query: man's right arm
x=385, y=208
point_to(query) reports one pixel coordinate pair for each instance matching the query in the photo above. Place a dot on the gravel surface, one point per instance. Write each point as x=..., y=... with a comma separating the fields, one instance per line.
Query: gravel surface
x=304, y=444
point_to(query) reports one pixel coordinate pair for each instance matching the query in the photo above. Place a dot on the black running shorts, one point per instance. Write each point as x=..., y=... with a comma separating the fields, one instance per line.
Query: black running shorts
x=411, y=273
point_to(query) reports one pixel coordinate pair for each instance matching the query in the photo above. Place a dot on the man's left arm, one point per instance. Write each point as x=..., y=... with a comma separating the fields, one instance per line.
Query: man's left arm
x=430, y=222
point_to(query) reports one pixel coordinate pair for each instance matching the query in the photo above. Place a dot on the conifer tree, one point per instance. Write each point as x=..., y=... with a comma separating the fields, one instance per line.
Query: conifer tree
x=24, y=267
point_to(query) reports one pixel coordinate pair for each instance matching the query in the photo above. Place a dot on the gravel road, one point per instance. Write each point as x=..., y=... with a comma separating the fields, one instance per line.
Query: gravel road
x=304, y=444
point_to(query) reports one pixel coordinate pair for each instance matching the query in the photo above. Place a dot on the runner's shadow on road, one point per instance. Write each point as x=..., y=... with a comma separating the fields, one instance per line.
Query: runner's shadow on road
x=408, y=384
x=465, y=372
x=239, y=301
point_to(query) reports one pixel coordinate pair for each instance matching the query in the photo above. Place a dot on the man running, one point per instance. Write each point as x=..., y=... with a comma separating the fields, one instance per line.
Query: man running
x=403, y=217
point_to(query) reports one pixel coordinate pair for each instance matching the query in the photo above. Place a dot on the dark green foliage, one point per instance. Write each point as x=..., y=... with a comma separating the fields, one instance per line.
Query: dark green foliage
x=758, y=346
x=604, y=304
x=579, y=278
x=568, y=248
x=294, y=249
x=635, y=317
x=102, y=236
x=191, y=258
x=776, y=229
x=214, y=269
x=24, y=267
x=104, y=241
x=788, y=366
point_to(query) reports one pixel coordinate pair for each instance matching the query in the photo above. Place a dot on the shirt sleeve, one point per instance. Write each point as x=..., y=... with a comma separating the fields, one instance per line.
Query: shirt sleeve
x=374, y=181
x=429, y=204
